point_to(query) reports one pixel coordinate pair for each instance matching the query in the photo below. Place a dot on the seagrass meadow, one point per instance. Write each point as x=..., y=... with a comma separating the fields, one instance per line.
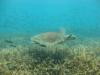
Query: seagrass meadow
x=78, y=57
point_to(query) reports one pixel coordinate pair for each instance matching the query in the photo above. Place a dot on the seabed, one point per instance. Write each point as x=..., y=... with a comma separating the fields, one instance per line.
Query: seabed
x=18, y=56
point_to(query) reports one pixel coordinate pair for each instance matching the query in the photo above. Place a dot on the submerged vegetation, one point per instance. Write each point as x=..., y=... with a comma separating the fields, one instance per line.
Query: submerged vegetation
x=81, y=58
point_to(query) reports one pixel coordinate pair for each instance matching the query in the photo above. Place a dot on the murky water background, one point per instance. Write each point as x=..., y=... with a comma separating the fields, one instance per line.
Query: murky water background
x=81, y=17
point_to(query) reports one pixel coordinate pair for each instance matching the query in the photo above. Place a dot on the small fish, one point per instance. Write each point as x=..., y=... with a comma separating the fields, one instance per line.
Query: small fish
x=8, y=41
x=12, y=45
x=42, y=45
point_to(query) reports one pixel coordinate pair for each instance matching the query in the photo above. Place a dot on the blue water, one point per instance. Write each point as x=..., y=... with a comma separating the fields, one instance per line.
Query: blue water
x=80, y=17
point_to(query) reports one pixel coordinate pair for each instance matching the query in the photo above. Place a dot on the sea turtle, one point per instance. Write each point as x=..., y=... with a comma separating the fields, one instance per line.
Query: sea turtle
x=52, y=38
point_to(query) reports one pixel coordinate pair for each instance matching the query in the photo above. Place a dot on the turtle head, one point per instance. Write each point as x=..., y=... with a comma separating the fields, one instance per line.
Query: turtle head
x=70, y=37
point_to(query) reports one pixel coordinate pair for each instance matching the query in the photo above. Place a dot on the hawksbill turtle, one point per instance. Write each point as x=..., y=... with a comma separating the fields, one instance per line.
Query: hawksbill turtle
x=51, y=38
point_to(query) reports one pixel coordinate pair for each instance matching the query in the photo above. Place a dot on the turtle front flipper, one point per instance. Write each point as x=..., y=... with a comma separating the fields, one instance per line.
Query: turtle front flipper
x=39, y=44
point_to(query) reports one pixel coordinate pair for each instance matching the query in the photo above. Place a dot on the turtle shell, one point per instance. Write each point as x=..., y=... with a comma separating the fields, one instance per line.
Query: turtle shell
x=47, y=38
x=51, y=38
